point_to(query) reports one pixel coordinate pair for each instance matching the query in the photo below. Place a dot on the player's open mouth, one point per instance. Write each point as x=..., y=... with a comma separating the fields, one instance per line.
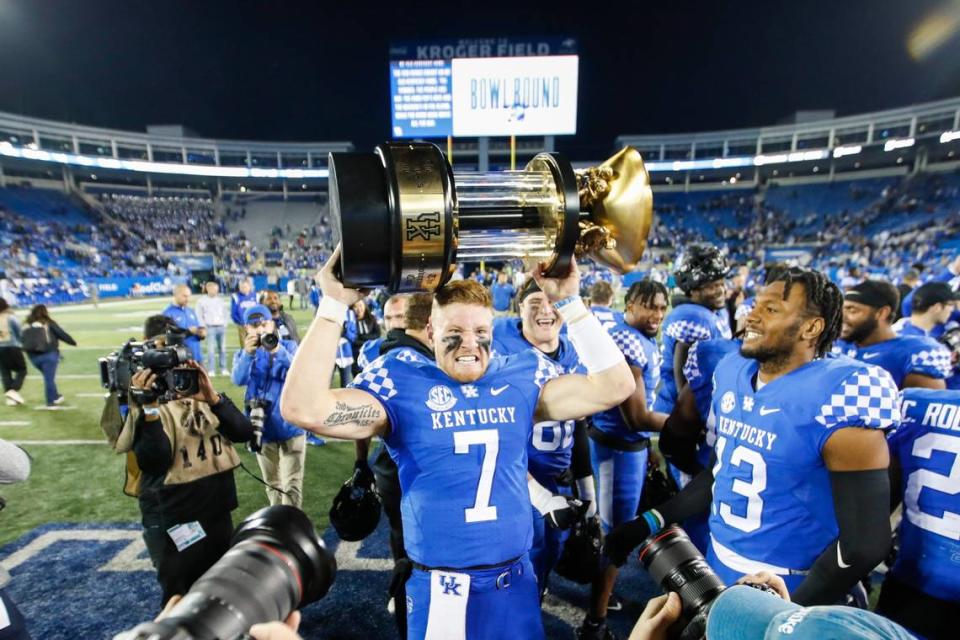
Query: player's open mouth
x=752, y=334
x=544, y=322
x=467, y=359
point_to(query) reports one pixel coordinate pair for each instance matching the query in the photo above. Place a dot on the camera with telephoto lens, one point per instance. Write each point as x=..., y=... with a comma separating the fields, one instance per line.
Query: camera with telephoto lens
x=173, y=379
x=676, y=565
x=258, y=414
x=276, y=564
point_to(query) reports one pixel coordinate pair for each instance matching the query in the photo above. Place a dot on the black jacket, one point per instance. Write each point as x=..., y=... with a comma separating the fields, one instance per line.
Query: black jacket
x=56, y=336
x=397, y=338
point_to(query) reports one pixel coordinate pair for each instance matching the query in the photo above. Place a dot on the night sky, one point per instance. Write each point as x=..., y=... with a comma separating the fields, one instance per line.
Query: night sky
x=312, y=71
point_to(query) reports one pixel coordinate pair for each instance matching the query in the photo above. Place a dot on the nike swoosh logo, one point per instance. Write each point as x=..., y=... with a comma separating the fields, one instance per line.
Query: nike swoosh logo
x=869, y=356
x=840, y=561
x=765, y=412
x=496, y=392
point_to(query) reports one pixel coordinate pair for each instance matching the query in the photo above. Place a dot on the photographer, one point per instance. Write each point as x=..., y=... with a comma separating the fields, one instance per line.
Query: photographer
x=284, y=322
x=180, y=463
x=262, y=367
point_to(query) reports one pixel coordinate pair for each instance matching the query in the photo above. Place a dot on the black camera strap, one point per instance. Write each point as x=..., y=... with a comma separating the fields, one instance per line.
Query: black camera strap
x=262, y=481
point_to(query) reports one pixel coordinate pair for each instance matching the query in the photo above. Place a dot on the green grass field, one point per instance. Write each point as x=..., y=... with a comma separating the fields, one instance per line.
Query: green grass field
x=82, y=482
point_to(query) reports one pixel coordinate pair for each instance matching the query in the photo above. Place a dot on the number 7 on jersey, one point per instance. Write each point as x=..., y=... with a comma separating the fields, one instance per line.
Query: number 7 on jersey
x=489, y=439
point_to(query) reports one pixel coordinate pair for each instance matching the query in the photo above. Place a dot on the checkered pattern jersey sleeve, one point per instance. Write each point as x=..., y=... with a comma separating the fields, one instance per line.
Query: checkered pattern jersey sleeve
x=378, y=378
x=546, y=370
x=687, y=331
x=691, y=368
x=629, y=343
x=866, y=398
x=933, y=361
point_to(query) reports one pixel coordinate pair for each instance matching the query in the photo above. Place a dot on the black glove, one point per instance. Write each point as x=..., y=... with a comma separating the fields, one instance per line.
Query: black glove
x=564, y=511
x=624, y=539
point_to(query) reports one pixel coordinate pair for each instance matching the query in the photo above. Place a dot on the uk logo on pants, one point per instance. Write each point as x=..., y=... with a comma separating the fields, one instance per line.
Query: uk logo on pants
x=450, y=585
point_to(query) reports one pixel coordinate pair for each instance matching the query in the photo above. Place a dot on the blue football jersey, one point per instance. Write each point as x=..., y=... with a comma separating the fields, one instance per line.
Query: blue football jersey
x=901, y=356
x=551, y=442
x=927, y=444
x=772, y=502
x=702, y=360
x=688, y=323
x=641, y=352
x=907, y=328
x=608, y=317
x=461, y=451
x=369, y=352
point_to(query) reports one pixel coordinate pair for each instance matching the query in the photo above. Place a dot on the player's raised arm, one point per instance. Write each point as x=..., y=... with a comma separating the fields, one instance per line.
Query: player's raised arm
x=609, y=380
x=307, y=399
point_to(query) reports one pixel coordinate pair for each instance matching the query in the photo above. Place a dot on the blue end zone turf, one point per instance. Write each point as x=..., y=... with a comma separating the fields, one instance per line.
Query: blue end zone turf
x=95, y=580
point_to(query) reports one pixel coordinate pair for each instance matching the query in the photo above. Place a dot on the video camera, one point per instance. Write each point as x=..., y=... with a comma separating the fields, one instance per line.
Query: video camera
x=276, y=564
x=173, y=379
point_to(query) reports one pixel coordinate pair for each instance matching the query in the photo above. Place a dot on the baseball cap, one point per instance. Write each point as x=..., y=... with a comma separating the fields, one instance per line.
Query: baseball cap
x=933, y=293
x=745, y=613
x=874, y=293
x=253, y=312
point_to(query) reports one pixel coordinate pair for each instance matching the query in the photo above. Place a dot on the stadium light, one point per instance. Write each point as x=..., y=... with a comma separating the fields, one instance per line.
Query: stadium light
x=898, y=143
x=849, y=150
x=949, y=136
x=170, y=168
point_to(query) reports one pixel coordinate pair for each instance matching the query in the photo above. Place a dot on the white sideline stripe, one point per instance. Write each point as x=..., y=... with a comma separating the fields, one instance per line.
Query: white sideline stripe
x=91, y=395
x=15, y=423
x=74, y=308
x=66, y=442
x=76, y=376
x=57, y=407
x=43, y=541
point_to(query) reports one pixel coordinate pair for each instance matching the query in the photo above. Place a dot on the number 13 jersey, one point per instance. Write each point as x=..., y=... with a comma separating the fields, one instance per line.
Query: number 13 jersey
x=772, y=504
x=461, y=450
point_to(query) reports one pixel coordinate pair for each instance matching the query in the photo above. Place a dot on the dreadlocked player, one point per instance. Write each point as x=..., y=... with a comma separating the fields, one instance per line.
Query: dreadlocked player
x=798, y=485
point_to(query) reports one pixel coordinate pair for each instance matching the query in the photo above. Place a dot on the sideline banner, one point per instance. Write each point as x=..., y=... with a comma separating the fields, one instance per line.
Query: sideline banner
x=137, y=286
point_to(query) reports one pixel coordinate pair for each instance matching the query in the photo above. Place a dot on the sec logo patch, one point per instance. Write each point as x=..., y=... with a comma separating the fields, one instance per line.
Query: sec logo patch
x=728, y=402
x=441, y=398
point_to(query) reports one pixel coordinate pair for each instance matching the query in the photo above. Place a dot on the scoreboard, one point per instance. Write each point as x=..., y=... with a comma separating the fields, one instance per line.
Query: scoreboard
x=483, y=87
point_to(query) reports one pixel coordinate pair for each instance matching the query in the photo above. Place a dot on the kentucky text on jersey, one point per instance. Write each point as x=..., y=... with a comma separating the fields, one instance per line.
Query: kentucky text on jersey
x=472, y=417
x=744, y=432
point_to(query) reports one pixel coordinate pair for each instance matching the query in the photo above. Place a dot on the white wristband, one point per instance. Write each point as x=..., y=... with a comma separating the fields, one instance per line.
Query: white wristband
x=332, y=309
x=587, y=489
x=539, y=496
x=596, y=349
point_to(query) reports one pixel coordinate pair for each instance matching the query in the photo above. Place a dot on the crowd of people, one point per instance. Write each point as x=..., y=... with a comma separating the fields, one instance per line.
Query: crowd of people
x=793, y=417
x=796, y=408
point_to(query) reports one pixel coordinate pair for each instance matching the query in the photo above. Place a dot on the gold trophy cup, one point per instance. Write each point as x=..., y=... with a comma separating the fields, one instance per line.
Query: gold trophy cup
x=405, y=218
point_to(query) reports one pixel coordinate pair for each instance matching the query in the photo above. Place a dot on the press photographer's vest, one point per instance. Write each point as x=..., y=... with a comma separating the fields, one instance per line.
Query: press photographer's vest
x=199, y=450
